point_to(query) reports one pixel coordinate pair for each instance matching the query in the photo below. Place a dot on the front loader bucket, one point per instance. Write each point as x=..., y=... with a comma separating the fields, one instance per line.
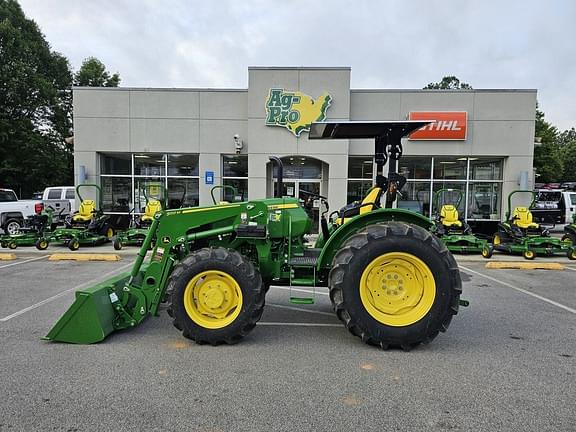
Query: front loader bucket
x=91, y=317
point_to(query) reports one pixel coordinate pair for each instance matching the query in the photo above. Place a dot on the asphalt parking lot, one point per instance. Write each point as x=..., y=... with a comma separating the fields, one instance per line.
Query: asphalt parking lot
x=508, y=362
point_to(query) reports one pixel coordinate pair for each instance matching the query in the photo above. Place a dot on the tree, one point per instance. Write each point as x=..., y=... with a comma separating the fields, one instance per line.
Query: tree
x=567, y=144
x=448, y=83
x=35, y=113
x=93, y=73
x=547, y=156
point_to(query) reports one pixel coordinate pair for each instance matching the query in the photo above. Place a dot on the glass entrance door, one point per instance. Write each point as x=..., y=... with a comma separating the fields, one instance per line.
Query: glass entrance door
x=294, y=188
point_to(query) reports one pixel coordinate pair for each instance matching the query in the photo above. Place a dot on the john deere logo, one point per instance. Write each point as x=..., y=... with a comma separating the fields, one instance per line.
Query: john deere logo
x=294, y=110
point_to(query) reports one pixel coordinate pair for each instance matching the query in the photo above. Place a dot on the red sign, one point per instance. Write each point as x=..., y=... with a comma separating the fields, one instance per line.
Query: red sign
x=448, y=125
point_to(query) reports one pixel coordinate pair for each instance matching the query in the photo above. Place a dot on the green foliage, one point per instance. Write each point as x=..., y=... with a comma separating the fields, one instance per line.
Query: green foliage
x=547, y=156
x=93, y=73
x=448, y=83
x=567, y=143
x=35, y=113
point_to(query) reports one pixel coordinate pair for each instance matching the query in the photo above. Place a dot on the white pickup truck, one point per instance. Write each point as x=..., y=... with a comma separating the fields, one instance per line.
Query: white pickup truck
x=13, y=211
x=554, y=206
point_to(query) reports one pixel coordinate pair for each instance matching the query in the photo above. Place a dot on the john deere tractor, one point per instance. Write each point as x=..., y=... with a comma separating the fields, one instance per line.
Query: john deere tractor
x=391, y=282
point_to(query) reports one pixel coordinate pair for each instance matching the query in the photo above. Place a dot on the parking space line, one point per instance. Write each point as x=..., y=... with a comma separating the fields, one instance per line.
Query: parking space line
x=570, y=268
x=307, y=291
x=54, y=297
x=24, y=262
x=539, y=297
x=300, y=309
x=296, y=324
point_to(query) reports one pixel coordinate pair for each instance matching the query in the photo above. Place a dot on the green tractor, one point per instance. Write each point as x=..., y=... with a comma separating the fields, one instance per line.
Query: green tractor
x=391, y=282
x=89, y=226
x=450, y=228
x=520, y=235
x=140, y=225
x=35, y=229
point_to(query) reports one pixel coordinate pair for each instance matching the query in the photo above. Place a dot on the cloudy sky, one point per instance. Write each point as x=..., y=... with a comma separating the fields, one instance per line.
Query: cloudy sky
x=388, y=44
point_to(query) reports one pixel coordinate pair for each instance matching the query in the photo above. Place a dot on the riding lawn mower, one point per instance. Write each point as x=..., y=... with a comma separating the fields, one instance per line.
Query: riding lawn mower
x=450, y=228
x=520, y=235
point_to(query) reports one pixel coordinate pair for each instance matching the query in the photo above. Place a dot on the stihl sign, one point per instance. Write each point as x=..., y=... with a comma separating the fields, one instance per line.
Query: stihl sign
x=448, y=125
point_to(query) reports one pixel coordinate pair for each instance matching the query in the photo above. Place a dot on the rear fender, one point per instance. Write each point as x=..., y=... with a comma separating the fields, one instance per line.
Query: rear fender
x=358, y=223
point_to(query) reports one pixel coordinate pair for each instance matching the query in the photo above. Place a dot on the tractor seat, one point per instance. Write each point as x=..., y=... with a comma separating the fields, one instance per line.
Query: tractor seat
x=85, y=212
x=151, y=209
x=522, y=218
x=449, y=216
x=370, y=202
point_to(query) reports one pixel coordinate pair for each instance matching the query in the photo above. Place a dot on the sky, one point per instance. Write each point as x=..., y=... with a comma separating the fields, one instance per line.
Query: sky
x=388, y=44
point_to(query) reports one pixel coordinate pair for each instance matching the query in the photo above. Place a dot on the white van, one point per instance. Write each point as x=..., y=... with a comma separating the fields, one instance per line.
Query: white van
x=61, y=198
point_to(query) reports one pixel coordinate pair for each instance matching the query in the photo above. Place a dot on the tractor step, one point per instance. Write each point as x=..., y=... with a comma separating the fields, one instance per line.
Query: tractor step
x=301, y=300
x=302, y=282
x=309, y=259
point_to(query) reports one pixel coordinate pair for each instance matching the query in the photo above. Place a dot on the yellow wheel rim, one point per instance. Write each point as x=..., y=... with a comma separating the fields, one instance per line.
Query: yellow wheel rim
x=397, y=289
x=528, y=254
x=109, y=233
x=497, y=240
x=213, y=299
x=43, y=244
x=484, y=252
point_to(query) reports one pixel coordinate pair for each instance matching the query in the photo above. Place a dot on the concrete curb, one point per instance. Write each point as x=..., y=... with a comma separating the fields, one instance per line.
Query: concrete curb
x=519, y=265
x=84, y=257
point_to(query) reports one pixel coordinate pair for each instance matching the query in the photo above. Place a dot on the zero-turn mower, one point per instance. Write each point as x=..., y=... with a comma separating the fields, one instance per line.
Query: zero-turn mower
x=519, y=234
x=89, y=226
x=391, y=282
x=35, y=229
x=570, y=232
x=454, y=232
x=137, y=232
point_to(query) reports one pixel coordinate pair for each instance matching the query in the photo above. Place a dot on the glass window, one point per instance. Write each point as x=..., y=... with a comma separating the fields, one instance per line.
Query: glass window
x=116, y=194
x=235, y=165
x=183, y=192
x=485, y=169
x=54, y=194
x=300, y=167
x=7, y=196
x=241, y=186
x=149, y=164
x=449, y=196
x=416, y=168
x=450, y=168
x=357, y=190
x=360, y=167
x=183, y=165
x=116, y=163
x=415, y=196
x=484, y=200
x=70, y=194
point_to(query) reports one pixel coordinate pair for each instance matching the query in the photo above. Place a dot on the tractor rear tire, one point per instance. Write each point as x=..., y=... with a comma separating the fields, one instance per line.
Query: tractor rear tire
x=395, y=284
x=215, y=296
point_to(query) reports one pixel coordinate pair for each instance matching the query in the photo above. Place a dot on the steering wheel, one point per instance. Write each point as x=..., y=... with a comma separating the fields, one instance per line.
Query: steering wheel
x=305, y=192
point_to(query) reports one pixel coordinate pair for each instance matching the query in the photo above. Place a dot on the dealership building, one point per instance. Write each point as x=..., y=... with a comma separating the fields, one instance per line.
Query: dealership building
x=133, y=140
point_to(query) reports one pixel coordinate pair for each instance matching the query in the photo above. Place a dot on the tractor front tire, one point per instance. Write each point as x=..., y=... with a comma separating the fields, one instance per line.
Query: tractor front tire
x=74, y=244
x=571, y=254
x=12, y=244
x=487, y=251
x=117, y=243
x=395, y=284
x=41, y=244
x=215, y=296
x=529, y=254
